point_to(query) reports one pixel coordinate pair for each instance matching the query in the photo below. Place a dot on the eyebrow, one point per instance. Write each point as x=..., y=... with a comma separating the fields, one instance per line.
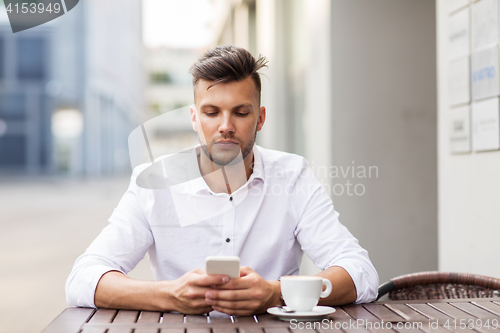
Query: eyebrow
x=245, y=105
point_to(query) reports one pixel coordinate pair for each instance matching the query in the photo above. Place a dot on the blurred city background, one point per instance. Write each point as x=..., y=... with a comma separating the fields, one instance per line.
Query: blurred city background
x=358, y=87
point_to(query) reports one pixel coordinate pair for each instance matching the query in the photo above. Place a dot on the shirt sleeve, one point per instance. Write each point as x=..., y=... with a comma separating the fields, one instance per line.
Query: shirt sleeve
x=326, y=241
x=119, y=247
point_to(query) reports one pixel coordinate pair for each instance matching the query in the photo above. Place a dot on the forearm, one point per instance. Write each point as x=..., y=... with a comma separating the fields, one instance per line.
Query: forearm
x=344, y=290
x=116, y=290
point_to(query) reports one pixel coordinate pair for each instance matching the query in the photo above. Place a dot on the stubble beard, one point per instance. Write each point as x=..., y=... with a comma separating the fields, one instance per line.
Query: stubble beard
x=219, y=159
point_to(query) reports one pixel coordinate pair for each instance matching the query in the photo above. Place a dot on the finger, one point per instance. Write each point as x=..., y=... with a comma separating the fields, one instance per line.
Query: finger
x=245, y=270
x=206, y=280
x=243, y=282
x=199, y=271
x=233, y=284
x=232, y=295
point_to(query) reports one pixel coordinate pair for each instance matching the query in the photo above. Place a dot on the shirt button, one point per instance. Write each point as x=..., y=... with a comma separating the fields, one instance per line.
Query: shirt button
x=228, y=240
x=230, y=198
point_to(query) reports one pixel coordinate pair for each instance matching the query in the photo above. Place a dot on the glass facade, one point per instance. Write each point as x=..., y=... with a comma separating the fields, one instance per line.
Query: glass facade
x=13, y=150
x=12, y=107
x=2, y=58
x=31, y=58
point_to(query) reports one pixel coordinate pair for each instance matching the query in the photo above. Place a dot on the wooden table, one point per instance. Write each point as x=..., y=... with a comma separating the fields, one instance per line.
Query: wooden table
x=439, y=316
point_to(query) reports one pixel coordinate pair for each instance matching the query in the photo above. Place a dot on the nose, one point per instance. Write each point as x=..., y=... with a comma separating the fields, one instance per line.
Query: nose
x=226, y=125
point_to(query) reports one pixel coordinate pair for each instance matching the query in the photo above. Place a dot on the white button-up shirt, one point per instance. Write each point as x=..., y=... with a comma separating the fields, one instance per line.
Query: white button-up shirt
x=169, y=212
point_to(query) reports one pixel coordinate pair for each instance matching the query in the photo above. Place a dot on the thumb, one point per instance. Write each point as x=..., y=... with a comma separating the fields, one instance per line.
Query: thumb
x=245, y=270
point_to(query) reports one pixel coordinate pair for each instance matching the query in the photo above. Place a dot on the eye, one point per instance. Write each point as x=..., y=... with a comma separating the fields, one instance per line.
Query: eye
x=242, y=114
x=211, y=113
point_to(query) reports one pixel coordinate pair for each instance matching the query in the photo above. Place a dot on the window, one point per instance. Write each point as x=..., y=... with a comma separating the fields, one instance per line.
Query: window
x=12, y=151
x=12, y=107
x=160, y=78
x=31, y=58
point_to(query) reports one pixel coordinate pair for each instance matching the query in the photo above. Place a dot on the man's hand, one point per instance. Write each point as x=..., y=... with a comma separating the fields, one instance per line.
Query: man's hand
x=247, y=295
x=188, y=291
x=115, y=290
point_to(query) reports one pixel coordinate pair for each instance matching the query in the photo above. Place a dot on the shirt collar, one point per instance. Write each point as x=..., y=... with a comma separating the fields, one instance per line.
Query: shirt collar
x=258, y=166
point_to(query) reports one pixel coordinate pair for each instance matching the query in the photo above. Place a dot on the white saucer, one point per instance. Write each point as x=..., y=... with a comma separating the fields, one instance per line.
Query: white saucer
x=317, y=313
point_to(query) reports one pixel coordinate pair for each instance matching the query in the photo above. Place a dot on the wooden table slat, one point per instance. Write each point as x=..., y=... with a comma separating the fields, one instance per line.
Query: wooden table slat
x=356, y=330
x=103, y=316
x=407, y=330
x=119, y=330
x=149, y=330
x=331, y=329
x=359, y=312
x=244, y=319
x=406, y=312
x=429, y=311
x=196, y=319
x=374, y=328
x=474, y=310
x=126, y=316
x=339, y=314
x=303, y=330
x=171, y=330
x=432, y=329
x=266, y=317
x=451, y=311
x=218, y=317
x=276, y=330
x=198, y=330
x=93, y=330
x=491, y=306
x=224, y=330
x=172, y=318
x=149, y=317
x=69, y=321
x=217, y=320
x=382, y=312
x=251, y=330
x=488, y=330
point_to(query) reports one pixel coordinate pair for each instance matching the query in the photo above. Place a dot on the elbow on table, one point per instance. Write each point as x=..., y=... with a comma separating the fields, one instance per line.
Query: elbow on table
x=369, y=287
x=75, y=294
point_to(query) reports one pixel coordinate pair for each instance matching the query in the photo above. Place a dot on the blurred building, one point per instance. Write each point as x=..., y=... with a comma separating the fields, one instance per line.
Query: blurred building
x=25, y=107
x=168, y=95
x=168, y=82
x=72, y=90
x=469, y=129
x=351, y=85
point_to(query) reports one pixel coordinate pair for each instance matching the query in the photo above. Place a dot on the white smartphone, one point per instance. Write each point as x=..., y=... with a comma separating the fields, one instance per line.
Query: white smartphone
x=228, y=265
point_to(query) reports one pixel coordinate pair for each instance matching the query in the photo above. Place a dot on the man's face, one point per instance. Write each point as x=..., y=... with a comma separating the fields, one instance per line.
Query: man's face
x=227, y=118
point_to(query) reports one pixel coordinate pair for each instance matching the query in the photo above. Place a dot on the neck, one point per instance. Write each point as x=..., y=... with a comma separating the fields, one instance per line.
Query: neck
x=225, y=178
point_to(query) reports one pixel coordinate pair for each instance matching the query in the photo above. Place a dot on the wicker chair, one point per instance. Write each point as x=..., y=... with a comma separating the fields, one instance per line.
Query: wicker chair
x=440, y=285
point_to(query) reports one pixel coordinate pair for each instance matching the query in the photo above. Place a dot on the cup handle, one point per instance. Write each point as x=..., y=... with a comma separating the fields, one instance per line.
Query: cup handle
x=328, y=289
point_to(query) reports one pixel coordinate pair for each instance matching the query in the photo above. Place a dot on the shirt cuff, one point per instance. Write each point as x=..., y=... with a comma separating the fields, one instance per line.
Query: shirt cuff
x=366, y=285
x=88, y=284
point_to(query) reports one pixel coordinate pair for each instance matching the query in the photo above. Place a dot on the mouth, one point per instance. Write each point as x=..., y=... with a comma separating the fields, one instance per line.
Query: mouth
x=226, y=144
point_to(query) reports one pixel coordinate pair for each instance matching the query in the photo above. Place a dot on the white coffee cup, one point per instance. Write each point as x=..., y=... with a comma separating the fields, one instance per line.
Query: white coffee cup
x=302, y=293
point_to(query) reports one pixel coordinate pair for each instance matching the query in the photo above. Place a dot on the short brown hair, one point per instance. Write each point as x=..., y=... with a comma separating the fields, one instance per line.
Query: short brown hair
x=227, y=63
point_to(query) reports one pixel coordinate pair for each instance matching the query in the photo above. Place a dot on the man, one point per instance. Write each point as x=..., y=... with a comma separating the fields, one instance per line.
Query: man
x=235, y=198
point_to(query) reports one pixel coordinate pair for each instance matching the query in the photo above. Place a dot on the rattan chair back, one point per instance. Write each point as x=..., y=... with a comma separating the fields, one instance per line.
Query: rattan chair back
x=440, y=285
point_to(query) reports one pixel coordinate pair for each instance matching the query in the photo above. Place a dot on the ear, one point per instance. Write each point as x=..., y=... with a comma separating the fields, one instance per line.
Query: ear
x=262, y=118
x=193, y=118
